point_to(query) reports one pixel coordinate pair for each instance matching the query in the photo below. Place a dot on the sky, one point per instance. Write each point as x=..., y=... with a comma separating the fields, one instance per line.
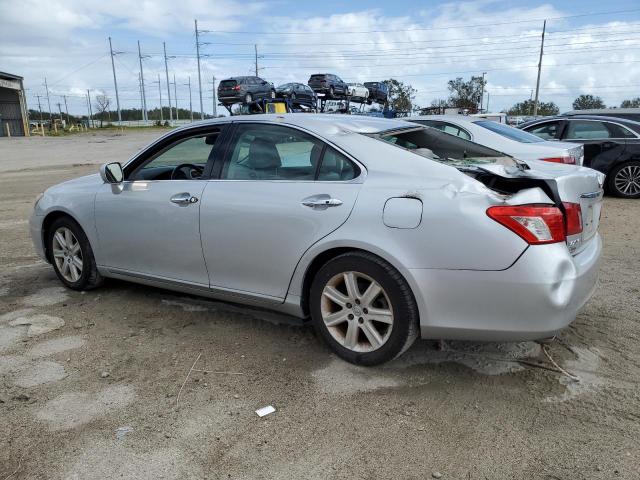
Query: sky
x=590, y=46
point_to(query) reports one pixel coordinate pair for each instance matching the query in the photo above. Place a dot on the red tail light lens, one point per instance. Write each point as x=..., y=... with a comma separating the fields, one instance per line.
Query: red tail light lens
x=567, y=160
x=573, y=219
x=236, y=88
x=535, y=224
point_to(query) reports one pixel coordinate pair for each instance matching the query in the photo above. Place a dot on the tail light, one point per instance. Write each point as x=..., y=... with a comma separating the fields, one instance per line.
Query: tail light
x=569, y=160
x=535, y=224
x=237, y=88
x=573, y=219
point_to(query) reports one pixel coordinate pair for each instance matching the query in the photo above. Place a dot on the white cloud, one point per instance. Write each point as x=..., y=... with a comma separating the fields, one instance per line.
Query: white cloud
x=66, y=41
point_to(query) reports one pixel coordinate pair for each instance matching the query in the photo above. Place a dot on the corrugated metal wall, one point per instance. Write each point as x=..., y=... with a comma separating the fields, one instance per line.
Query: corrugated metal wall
x=10, y=112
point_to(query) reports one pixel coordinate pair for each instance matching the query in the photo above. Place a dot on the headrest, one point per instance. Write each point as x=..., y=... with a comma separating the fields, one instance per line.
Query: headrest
x=263, y=154
x=211, y=139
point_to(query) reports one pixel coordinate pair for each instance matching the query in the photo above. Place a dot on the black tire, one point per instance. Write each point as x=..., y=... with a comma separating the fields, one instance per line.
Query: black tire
x=248, y=98
x=405, y=328
x=89, y=278
x=633, y=168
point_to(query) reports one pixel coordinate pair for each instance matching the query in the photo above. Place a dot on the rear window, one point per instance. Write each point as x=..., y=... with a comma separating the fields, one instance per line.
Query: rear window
x=228, y=83
x=509, y=132
x=442, y=147
x=317, y=77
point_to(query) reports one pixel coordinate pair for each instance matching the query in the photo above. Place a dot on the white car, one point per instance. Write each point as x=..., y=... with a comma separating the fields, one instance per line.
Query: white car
x=358, y=91
x=512, y=141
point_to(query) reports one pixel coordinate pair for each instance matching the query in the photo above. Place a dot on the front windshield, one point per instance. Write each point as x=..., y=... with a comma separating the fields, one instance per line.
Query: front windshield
x=442, y=147
x=509, y=132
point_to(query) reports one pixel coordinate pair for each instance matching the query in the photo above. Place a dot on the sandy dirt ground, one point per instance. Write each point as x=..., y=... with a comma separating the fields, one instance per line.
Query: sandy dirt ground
x=89, y=382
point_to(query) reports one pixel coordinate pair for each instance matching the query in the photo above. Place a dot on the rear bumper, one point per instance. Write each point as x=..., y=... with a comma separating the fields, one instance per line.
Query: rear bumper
x=535, y=298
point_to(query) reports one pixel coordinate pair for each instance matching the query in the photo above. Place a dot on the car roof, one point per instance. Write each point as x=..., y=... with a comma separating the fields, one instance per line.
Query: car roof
x=587, y=117
x=600, y=111
x=459, y=118
x=322, y=124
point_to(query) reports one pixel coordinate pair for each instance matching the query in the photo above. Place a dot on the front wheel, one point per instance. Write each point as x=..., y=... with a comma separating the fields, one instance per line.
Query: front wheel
x=363, y=308
x=624, y=180
x=72, y=256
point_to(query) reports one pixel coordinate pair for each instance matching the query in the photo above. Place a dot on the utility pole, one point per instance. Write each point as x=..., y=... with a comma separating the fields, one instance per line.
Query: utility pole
x=160, y=92
x=535, y=102
x=141, y=101
x=60, y=110
x=255, y=49
x=48, y=100
x=166, y=71
x=482, y=92
x=488, y=98
x=90, y=112
x=175, y=96
x=115, y=82
x=65, y=106
x=144, y=95
x=199, y=76
x=39, y=108
x=190, y=105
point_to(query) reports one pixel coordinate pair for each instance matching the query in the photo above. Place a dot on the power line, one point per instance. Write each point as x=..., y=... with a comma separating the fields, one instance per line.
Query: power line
x=341, y=32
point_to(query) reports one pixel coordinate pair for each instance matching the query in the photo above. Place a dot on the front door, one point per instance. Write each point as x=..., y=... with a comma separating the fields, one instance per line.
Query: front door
x=150, y=225
x=602, y=142
x=279, y=191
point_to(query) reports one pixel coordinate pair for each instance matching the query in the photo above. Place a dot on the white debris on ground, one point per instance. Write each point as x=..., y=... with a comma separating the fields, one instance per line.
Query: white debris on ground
x=38, y=324
x=46, y=297
x=585, y=367
x=341, y=378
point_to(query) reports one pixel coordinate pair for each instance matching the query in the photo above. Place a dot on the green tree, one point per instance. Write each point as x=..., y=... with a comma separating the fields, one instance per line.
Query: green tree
x=585, y=102
x=633, y=103
x=466, y=94
x=526, y=108
x=401, y=95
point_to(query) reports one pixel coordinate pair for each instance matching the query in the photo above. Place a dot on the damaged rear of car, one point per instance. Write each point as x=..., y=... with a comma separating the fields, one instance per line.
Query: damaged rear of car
x=511, y=253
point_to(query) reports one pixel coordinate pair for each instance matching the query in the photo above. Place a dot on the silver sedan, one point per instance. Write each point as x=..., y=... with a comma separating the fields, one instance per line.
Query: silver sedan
x=378, y=230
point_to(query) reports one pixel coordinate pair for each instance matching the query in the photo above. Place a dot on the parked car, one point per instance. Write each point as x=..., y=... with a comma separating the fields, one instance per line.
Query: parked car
x=504, y=138
x=358, y=92
x=378, y=92
x=625, y=113
x=244, y=89
x=611, y=145
x=329, y=84
x=298, y=92
x=382, y=230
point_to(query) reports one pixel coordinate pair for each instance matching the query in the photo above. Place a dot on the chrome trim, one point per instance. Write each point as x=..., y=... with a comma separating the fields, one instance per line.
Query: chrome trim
x=597, y=194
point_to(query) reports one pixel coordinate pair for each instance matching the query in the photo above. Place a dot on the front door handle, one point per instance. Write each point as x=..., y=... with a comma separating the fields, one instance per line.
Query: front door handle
x=184, y=198
x=321, y=202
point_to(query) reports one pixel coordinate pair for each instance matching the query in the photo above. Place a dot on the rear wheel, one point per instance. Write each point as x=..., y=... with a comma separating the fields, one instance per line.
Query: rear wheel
x=72, y=256
x=363, y=308
x=624, y=180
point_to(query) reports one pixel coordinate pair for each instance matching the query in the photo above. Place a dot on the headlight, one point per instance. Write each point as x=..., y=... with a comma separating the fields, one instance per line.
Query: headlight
x=38, y=198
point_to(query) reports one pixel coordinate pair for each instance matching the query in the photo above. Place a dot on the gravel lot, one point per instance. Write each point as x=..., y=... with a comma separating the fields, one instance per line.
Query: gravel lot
x=89, y=382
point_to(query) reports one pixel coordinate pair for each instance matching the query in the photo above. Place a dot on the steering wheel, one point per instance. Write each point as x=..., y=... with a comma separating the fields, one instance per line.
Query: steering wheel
x=180, y=171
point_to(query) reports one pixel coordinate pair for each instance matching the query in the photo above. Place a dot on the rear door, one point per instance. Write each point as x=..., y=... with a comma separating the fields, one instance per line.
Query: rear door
x=279, y=190
x=601, y=146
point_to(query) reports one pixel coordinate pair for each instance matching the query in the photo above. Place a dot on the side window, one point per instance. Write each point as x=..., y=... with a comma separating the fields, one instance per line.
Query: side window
x=546, y=130
x=336, y=167
x=617, y=131
x=581, y=130
x=190, y=154
x=447, y=128
x=272, y=152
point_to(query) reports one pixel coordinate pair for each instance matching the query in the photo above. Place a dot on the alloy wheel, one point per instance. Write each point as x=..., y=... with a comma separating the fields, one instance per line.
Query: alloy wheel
x=627, y=180
x=67, y=254
x=356, y=311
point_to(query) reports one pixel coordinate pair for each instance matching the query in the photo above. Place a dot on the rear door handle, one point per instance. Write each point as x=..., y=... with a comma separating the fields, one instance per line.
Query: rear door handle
x=184, y=198
x=321, y=202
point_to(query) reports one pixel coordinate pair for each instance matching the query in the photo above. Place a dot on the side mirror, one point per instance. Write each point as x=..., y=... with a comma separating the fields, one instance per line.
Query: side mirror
x=112, y=173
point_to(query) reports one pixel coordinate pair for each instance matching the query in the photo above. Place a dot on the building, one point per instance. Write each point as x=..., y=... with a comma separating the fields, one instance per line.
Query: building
x=13, y=106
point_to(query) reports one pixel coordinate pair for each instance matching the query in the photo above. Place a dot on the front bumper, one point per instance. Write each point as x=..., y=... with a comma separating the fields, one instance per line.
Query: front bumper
x=536, y=297
x=35, y=229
